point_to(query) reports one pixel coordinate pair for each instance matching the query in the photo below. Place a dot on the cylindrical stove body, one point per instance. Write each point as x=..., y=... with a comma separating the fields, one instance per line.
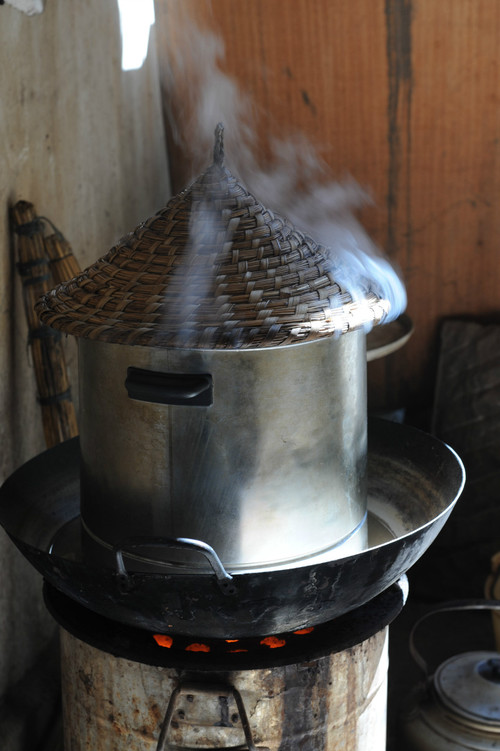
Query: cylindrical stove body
x=333, y=702
x=268, y=471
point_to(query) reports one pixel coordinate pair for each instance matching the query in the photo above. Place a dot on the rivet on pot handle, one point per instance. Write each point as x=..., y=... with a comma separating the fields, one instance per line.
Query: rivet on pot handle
x=446, y=607
x=204, y=690
x=224, y=579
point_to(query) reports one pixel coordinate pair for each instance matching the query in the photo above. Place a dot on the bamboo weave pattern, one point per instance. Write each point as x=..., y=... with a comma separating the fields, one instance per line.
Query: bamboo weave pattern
x=213, y=269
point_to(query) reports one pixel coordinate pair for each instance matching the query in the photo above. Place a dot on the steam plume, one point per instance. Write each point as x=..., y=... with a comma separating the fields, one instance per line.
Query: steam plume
x=295, y=183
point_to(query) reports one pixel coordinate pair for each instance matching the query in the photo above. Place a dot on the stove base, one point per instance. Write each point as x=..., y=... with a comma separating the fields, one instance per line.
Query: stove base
x=317, y=689
x=337, y=701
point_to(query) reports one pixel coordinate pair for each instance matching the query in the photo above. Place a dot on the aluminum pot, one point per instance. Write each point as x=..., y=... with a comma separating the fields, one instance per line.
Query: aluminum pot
x=223, y=397
x=259, y=453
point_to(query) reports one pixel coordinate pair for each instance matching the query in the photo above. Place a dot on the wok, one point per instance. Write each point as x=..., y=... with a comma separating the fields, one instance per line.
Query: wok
x=414, y=481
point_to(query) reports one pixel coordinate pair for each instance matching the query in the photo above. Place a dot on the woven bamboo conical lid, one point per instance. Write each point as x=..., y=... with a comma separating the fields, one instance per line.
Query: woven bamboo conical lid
x=213, y=269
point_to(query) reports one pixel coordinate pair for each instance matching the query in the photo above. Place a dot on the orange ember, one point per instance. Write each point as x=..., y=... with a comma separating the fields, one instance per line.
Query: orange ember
x=235, y=651
x=303, y=631
x=231, y=641
x=163, y=640
x=197, y=648
x=273, y=642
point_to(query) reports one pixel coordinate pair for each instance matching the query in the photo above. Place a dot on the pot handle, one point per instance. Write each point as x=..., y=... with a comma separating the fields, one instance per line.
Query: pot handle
x=224, y=579
x=190, y=692
x=187, y=389
x=446, y=607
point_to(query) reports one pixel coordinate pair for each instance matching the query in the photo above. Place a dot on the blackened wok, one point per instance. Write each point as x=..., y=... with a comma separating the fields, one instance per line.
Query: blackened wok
x=414, y=480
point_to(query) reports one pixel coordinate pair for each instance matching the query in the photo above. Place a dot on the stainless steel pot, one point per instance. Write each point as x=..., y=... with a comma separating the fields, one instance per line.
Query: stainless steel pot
x=260, y=453
x=223, y=398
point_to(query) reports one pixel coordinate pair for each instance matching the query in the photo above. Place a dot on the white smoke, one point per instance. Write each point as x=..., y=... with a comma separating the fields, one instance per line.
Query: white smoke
x=294, y=182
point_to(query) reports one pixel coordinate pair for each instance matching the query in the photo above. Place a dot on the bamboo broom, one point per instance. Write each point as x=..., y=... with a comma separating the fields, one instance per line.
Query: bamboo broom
x=54, y=393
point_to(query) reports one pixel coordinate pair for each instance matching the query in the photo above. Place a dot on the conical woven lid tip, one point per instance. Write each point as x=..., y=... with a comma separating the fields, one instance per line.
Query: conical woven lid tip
x=219, y=145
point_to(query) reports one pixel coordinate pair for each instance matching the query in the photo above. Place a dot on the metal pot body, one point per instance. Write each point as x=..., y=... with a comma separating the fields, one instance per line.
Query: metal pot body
x=269, y=471
x=334, y=702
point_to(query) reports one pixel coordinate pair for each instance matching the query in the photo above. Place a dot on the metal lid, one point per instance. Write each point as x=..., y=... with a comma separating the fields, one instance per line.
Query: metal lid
x=213, y=269
x=469, y=685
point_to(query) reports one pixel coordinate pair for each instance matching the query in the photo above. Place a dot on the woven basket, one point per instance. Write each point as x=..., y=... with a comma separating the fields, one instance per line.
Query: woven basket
x=213, y=269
